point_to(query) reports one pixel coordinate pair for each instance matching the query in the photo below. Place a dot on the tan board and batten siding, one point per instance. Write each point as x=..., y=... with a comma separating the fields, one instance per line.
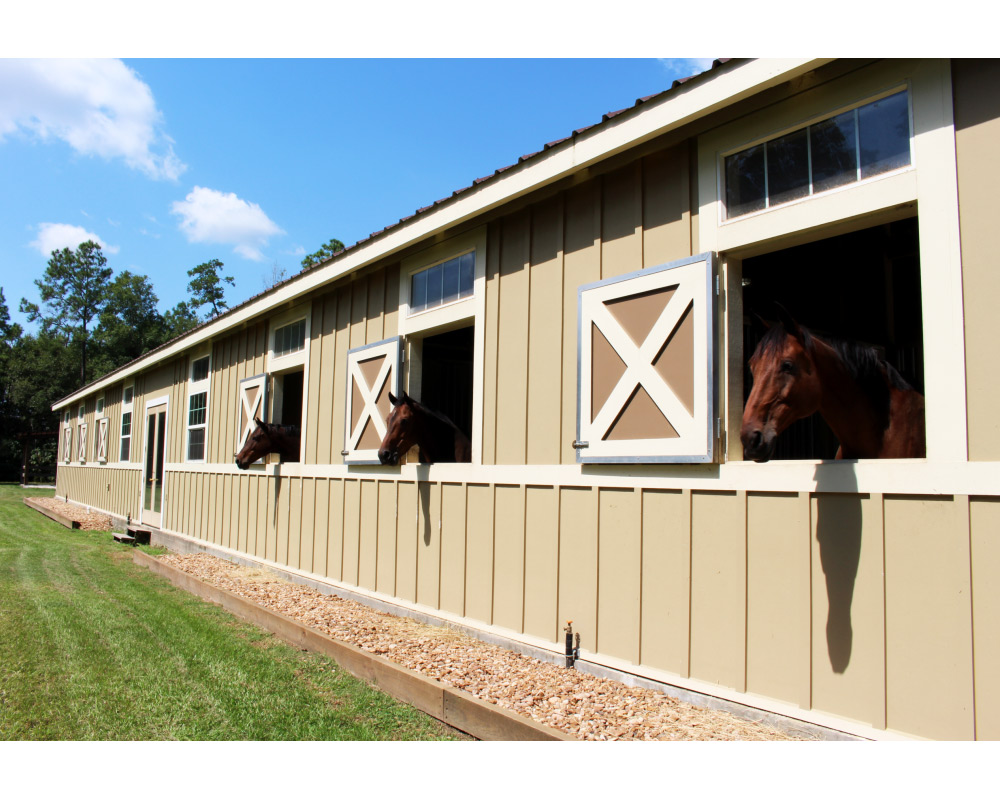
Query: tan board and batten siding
x=875, y=609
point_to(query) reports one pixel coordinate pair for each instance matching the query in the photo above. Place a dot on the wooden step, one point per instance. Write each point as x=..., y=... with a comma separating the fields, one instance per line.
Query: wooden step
x=123, y=536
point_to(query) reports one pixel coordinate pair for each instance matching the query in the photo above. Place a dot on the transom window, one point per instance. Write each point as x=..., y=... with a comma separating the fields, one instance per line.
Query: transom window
x=290, y=338
x=199, y=369
x=442, y=283
x=852, y=146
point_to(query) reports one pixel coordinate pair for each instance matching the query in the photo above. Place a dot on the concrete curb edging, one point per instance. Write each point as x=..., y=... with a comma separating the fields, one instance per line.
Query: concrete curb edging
x=53, y=515
x=453, y=707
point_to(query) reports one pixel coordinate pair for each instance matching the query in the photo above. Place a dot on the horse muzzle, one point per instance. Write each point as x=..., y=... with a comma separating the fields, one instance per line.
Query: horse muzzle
x=757, y=445
x=388, y=457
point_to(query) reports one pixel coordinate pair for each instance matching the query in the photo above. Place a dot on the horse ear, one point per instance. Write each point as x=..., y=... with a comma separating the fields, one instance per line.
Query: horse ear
x=760, y=325
x=788, y=323
x=393, y=399
x=406, y=399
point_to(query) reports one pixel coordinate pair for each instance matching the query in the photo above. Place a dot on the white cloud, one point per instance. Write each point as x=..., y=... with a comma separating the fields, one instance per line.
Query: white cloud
x=685, y=67
x=221, y=218
x=99, y=107
x=57, y=235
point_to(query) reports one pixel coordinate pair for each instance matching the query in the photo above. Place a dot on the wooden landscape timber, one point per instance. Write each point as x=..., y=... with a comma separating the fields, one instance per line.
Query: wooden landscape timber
x=453, y=707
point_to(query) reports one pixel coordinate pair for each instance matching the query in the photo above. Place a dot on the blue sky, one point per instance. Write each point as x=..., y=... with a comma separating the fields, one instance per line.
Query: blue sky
x=170, y=163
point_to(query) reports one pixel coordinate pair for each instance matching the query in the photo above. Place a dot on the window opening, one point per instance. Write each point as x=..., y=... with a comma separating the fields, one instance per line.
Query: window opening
x=446, y=368
x=287, y=394
x=849, y=147
x=862, y=287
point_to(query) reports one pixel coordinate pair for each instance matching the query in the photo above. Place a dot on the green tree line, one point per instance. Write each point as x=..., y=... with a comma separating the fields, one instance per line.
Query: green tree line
x=89, y=322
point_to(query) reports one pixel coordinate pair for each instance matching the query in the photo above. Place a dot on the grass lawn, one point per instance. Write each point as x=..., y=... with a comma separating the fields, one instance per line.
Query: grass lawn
x=93, y=647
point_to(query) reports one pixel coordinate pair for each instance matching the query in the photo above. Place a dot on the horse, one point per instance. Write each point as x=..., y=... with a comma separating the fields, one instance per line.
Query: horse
x=412, y=424
x=267, y=438
x=871, y=409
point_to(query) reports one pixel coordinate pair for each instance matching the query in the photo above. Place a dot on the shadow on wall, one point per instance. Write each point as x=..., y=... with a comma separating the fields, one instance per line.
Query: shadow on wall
x=424, y=496
x=838, y=532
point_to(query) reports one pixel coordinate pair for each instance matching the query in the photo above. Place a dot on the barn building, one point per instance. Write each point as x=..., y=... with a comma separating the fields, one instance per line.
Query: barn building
x=584, y=316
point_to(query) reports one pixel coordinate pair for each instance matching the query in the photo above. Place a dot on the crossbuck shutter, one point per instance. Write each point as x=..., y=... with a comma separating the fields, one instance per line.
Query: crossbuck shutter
x=82, y=454
x=646, y=374
x=252, y=403
x=372, y=372
x=102, y=440
x=67, y=443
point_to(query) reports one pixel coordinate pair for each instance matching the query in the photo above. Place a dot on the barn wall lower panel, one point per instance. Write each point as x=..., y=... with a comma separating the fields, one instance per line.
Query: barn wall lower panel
x=870, y=608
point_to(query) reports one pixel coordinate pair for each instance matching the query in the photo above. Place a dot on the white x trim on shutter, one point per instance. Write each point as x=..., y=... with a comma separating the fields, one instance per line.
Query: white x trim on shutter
x=102, y=440
x=372, y=372
x=251, y=404
x=82, y=450
x=646, y=380
x=67, y=443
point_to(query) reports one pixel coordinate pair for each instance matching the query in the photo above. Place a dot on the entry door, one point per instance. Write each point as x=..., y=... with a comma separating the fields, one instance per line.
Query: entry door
x=156, y=439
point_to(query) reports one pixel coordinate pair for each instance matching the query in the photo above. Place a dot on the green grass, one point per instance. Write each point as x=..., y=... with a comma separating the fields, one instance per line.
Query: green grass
x=93, y=647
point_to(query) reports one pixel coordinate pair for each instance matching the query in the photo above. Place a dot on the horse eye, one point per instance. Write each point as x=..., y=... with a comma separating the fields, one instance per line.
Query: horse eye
x=787, y=366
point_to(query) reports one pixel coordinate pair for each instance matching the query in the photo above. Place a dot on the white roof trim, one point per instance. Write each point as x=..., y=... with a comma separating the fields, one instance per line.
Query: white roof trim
x=654, y=119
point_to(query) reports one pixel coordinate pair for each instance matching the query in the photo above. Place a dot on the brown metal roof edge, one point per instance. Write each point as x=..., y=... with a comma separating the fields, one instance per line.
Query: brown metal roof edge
x=478, y=182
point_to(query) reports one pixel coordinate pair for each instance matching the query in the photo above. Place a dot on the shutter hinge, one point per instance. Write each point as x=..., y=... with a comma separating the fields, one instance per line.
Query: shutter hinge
x=716, y=285
x=579, y=445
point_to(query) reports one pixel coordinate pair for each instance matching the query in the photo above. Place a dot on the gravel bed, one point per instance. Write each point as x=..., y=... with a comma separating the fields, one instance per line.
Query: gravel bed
x=89, y=520
x=583, y=706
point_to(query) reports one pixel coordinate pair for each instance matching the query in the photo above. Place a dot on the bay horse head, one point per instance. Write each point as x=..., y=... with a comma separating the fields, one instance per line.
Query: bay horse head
x=401, y=430
x=786, y=386
x=267, y=438
x=258, y=445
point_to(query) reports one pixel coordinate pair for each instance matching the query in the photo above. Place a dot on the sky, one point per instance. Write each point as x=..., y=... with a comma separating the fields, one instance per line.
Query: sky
x=169, y=163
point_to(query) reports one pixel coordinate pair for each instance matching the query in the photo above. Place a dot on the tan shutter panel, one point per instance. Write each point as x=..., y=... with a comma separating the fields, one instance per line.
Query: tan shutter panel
x=67, y=443
x=251, y=403
x=372, y=373
x=82, y=454
x=646, y=375
x=102, y=440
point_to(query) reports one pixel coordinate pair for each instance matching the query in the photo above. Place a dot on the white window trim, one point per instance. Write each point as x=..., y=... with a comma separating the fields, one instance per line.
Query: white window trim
x=299, y=357
x=127, y=408
x=931, y=183
x=288, y=363
x=197, y=387
x=449, y=316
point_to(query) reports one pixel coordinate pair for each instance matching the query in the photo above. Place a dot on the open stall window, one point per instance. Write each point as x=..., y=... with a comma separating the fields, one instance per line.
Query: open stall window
x=442, y=302
x=287, y=366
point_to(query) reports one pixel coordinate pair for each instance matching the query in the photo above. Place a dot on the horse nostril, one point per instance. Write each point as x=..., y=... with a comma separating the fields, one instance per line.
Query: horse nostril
x=755, y=440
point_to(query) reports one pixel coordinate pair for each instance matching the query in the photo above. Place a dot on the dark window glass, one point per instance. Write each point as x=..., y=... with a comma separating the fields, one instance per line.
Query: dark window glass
x=745, y=189
x=126, y=435
x=834, y=152
x=787, y=168
x=127, y=397
x=418, y=293
x=199, y=370
x=884, y=133
x=468, y=274
x=196, y=408
x=196, y=444
x=290, y=338
x=450, y=278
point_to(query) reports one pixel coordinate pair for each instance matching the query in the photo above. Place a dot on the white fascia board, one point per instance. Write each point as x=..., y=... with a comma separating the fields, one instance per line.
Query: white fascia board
x=576, y=153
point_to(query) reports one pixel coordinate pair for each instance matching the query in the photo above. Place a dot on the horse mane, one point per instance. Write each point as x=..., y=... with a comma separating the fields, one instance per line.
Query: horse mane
x=863, y=362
